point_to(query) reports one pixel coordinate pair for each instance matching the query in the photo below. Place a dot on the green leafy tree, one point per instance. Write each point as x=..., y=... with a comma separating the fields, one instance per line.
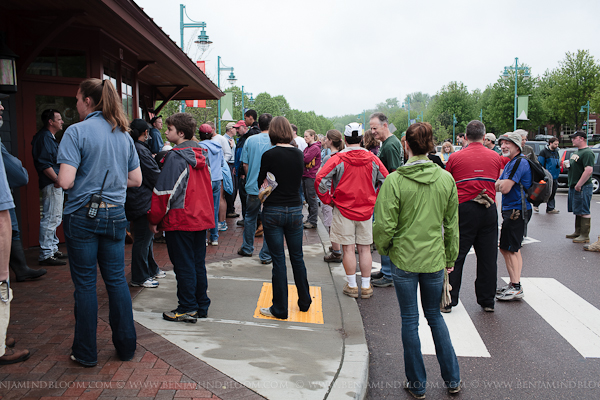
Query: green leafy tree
x=453, y=98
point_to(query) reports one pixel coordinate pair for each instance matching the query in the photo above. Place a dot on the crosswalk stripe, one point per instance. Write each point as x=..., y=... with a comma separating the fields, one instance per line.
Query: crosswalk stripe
x=573, y=318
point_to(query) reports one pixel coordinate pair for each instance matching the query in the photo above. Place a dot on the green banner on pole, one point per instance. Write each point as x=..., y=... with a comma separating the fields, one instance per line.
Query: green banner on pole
x=227, y=107
x=522, y=105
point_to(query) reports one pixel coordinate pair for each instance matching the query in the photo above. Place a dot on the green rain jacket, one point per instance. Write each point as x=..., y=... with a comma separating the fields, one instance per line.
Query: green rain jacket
x=416, y=217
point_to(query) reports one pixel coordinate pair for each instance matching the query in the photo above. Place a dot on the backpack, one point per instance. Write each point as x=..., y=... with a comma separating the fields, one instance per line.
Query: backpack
x=541, y=182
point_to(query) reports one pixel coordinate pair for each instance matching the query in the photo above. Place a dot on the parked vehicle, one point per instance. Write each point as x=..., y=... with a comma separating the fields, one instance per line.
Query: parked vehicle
x=543, y=137
x=537, y=146
x=565, y=154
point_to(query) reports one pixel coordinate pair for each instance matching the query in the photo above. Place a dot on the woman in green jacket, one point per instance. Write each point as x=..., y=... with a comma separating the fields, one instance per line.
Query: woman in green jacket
x=416, y=225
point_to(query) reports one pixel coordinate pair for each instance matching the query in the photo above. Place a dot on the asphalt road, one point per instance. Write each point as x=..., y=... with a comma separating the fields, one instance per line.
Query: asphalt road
x=546, y=346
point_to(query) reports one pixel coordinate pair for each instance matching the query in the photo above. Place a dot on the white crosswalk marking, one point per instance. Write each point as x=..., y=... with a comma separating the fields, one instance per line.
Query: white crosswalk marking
x=573, y=318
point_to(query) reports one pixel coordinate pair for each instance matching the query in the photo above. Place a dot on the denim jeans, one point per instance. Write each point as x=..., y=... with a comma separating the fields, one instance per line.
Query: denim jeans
x=99, y=241
x=310, y=195
x=386, y=267
x=280, y=222
x=52, y=209
x=143, y=265
x=216, y=190
x=243, y=194
x=187, y=251
x=252, y=209
x=431, y=294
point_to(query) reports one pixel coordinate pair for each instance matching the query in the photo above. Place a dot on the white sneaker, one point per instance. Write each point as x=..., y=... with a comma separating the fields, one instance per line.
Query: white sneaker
x=149, y=283
x=213, y=242
x=160, y=274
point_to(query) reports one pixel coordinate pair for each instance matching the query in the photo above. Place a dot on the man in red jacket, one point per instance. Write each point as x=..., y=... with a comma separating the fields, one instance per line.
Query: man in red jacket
x=182, y=206
x=312, y=163
x=350, y=182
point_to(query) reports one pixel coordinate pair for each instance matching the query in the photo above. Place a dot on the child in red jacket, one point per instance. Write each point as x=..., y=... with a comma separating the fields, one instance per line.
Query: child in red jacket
x=182, y=206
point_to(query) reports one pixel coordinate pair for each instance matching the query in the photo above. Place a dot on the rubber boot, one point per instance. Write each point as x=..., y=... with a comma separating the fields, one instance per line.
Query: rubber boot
x=594, y=246
x=584, y=237
x=19, y=265
x=577, y=228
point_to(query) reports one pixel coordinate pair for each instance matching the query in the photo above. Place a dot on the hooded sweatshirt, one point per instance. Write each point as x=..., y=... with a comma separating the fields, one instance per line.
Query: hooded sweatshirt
x=182, y=199
x=416, y=217
x=312, y=160
x=350, y=180
x=216, y=160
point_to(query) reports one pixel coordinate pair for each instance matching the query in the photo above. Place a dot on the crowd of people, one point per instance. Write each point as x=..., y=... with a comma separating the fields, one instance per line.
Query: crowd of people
x=423, y=213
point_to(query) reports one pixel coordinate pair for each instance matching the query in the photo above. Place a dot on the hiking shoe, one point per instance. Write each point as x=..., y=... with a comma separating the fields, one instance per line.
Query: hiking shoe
x=593, y=247
x=382, y=282
x=377, y=275
x=503, y=289
x=266, y=262
x=366, y=293
x=60, y=255
x=148, y=283
x=12, y=356
x=175, y=316
x=232, y=215
x=308, y=225
x=511, y=294
x=332, y=257
x=223, y=226
x=243, y=253
x=213, y=242
x=240, y=222
x=455, y=390
x=52, y=261
x=160, y=274
x=446, y=310
x=555, y=211
x=350, y=291
x=407, y=387
x=536, y=209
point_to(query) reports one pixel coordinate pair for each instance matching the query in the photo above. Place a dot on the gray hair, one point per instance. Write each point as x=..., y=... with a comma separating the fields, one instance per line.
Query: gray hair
x=380, y=116
x=475, y=130
x=522, y=132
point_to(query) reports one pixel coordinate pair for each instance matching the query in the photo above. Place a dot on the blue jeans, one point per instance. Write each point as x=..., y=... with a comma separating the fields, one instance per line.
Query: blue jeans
x=99, y=241
x=279, y=222
x=579, y=202
x=216, y=189
x=252, y=209
x=52, y=209
x=386, y=267
x=143, y=265
x=187, y=251
x=431, y=295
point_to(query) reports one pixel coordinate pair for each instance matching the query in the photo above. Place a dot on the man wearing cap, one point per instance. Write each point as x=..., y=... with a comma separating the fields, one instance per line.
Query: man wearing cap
x=240, y=175
x=44, y=149
x=581, y=166
x=475, y=170
x=350, y=182
x=517, y=173
x=156, y=142
x=229, y=135
x=392, y=157
x=490, y=142
x=550, y=159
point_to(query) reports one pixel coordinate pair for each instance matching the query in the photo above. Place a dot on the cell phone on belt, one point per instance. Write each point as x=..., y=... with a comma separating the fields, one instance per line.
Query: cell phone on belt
x=94, y=205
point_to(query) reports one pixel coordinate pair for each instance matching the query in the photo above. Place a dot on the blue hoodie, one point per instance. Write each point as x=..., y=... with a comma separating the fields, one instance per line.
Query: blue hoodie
x=216, y=160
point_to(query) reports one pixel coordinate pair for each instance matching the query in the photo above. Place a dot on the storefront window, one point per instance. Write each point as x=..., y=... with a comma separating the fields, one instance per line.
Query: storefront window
x=59, y=62
x=127, y=92
x=110, y=71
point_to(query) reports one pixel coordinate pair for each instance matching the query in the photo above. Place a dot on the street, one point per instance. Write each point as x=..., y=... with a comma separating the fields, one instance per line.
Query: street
x=546, y=346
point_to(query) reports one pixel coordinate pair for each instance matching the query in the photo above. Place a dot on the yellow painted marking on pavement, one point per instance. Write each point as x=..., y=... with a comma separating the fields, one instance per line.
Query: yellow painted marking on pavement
x=314, y=315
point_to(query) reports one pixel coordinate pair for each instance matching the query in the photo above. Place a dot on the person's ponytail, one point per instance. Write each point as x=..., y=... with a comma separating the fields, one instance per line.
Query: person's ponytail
x=106, y=99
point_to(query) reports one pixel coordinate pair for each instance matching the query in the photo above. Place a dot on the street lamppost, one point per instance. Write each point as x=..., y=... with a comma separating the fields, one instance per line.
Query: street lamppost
x=251, y=99
x=526, y=75
x=420, y=117
x=454, y=121
x=407, y=105
x=231, y=80
x=481, y=115
x=587, y=121
x=363, y=115
x=202, y=40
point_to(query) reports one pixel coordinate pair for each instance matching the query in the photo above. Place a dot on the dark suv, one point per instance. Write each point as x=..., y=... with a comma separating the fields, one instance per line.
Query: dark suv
x=565, y=154
x=537, y=145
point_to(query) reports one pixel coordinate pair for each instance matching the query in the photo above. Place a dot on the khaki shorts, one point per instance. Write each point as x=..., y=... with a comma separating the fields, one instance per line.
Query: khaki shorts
x=5, y=299
x=345, y=231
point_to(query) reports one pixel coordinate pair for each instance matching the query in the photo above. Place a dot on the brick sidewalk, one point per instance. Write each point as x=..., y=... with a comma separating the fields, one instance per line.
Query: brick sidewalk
x=42, y=321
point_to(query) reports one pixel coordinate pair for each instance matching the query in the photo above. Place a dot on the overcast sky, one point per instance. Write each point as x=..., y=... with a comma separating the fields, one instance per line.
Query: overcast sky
x=340, y=57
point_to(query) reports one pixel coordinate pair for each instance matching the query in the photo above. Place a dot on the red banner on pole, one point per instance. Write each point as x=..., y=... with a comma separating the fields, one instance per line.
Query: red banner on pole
x=197, y=103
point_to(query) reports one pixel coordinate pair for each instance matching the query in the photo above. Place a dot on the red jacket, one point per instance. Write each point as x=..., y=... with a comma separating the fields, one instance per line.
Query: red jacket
x=350, y=180
x=182, y=199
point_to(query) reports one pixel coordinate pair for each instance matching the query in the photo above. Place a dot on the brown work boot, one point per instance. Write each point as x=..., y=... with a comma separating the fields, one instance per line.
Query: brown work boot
x=12, y=356
x=584, y=236
x=332, y=257
x=366, y=293
x=577, y=228
x=593, y=247
x=350, y=291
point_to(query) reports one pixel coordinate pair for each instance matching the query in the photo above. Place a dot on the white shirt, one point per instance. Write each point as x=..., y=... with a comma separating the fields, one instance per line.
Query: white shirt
x=301, y=143
x=227, y=153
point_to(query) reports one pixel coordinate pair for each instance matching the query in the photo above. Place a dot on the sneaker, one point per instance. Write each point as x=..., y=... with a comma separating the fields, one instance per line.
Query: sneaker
x=60, y=255
x=555, y=211
x=52, y=261
x=455, y=390
x=149, y=283
x=240, y=222
x=223, y=226
x=13, y=356
x=350, y=291
x=232, y=215
x=266, y=262
x=503, y=289
x=446, y=310
x=366, y=293
x=511, y=294
x=308, y=225
x=536, y=209
x=488, y=309
x=243, y=253
x=83, y=363
x=376, y=275
x=332, y=257
x=383, y=282
x=175, y=316
x=413, y=394
x=267, y=313
x=160, y=274
x=213, y=242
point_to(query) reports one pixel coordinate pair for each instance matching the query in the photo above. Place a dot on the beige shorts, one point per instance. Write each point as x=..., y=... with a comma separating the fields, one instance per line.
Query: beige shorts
x=346, y=231
x=5, y=299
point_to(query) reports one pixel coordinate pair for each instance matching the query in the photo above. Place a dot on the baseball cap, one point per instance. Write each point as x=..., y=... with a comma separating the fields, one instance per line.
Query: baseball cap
x=239, y=123
x=578, y=133
x=205, y=128
x=230, y=125
x=353, y=129
x=512, y=137
x=490, y=136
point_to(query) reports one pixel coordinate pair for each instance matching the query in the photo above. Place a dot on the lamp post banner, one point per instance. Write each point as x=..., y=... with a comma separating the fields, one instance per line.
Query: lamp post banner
x=522, y=105
x=227, y=107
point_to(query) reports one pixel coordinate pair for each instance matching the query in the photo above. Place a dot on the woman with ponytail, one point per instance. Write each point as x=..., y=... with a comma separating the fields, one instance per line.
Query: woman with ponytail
x=98, y=162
